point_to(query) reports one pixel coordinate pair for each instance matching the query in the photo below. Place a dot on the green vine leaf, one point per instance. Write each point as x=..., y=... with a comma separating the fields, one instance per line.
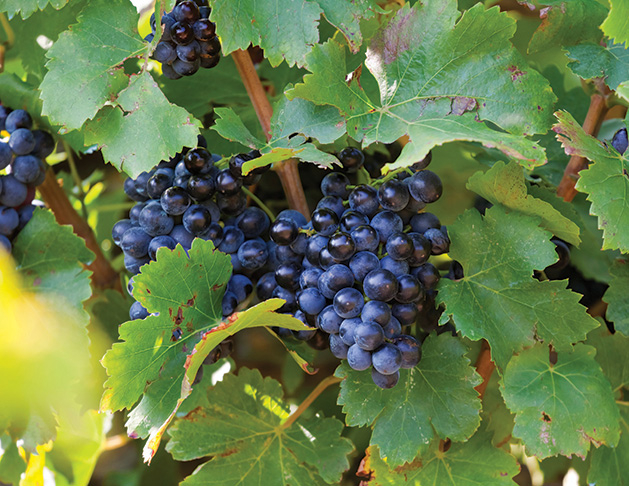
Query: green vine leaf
x=610, y=62
x=287, y=29
x=433, y=86
x=464, y=464
x=185, y=294
x=616, y=25
x=606, y=181
x=616, y=296
x=437, y=396
x=567, y=24
x=142, y=108
x=504, y=185
x=498, y=299
x=88, y=68
x=612, y=353
x=26, y=7
x=608, y=465
x=560, y=408
x=241, y=429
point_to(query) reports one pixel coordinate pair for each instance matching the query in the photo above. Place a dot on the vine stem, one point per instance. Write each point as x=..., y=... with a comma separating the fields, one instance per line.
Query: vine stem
x=485, y=367
x=259, y=202
x=330, y=380
x=103, y=275
x=8, y=30
x=596, y=112
x=286, y=170
x=75, y=176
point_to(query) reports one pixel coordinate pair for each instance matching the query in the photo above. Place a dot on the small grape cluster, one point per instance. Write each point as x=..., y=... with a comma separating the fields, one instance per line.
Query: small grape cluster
x=359, y=270
x=188, y=41
x=185, y=198
x=22, y=154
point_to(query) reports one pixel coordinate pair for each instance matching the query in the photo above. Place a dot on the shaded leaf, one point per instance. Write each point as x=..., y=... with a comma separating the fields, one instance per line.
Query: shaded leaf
x=86, y=62
x=610, y=465
x=242, y=430
x=567, y=24
x=504, y=184
x=612, y=353
x=560, y=408
x=606, y=181
x=435, y=86
x=498, y=299
x=26, y=7
x=616, y=296
x=436, y=396
x=610, y=62
x=121, y=132
x=464, y=464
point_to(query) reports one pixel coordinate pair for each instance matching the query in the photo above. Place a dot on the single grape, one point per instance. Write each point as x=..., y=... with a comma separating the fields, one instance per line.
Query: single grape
x=284, y=231
x=22, y=141
x=133, y=264
x=335, y=278
x=253, y=222
x=211, y=47
x=421, y=249
x=335, y=184
x=315, y=245
x=348, y=303
x=387, y=359
x=27, y=168
x=162, y=241
x=137, y=311
x=385, y=381
x=333, y=203
x=364, y=199
x=135, y=242
x=208, y=62
x=427, y=274
x=119, y=229
x=338, y=347
x=44, y=144
x=357, y=358
x=406, y=314
x=6, y=155
x=386, y=223
x=296, y=216
x=399, y=246
x=169, y=72
x=409, y=289
x=181, y=33
x=309, y=278
x=131, y=192
x=134, y=212
x=410, y=350
x=324, y=221
x=9, y=221
x=311, y=301
x=214, y=234
x=265, y=286
x=201, y=187
x=380, y=285
x=5, y=244
x=362, y=263
x=18, y=119
x=425, y=186
x=393, y=195
x=175, y=201
x=329, y=321
x=352, y=159
x=165, y=52
x=439, y=241
x=159, y=182
x=376, y=311
x=204, y=30
x=341, y=246
x=13, y=192
x=346, y=331
x=233, y=238
x=185, y=68
x=326, y=260
x=253, y=254
x=187, y=11
x=232, y=205
x=189, y=52
x=227, y=183
x=285, y=254
x=351, y=220
x=241, y=286
x=229, y=304
x=366, y=238
x=369, y=335
x=287, y=275
x=300, y=244
x=288, y=296
x=154, y=220
x=422, y=222
x=620, y=142
x=393, y=328
x=182, y=236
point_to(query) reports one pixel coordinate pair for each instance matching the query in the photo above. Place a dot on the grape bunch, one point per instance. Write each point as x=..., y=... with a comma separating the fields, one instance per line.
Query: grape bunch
x=359, y=271
x=22, y=156
x=188, y=197
x=188, y=41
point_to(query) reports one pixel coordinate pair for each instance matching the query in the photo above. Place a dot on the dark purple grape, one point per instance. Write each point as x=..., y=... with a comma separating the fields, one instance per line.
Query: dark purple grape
x=341, y=246
x=22, y=141
x=362, y=263
x=396, y=267
x=253, y=254
x=439, y=241
x=364, y=199
x=284, y=231
x=204, y=29
x=163, y=241
x=159, y=182
x=333, y=203
x=187, y=11
x=352, y=219
x=387, y=359
x=154, y=220
x=182, y=236
x=393, y=195
x=409, y=289
x=6, y=155
x=422, y=222
x=309, y=278
x=201, y=187
x=287, y=275
x=338, y=347
x=135, y=242
x=376, y=311
x=346, y=331
x=197, y=219
x=18, y=119
x=189, y=52
x=348, y=303
x=357, y=358
x=352, y=159
x=228, y=184
x=428, y=275
x=335, y=184
x=385, y=381
x=181, y=33
x=175, y=200
x=620, y=142
x=366, y=238
x=381, y=285
x=311, y=301
x=324, y=221
x=425, y=186
x=386, y=223
x=165, y=52
x=369, y=335
x=329, y=321
x=406, y=314
x=421, y=249
x=185, y=68
x=253, y=222
x=399, y=246
x=210, y=48
x=119, y=229
x=27, y=168
x=169, y=72
x=410, y=349
x=265, y=286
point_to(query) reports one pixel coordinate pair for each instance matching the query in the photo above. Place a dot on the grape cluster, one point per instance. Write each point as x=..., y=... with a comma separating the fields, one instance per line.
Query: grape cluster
x=189, y=40
x=359, y=271
x=22, y=154
x=185, y=198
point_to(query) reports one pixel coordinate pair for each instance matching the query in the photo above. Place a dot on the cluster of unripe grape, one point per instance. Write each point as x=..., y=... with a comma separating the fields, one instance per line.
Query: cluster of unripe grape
x=188, y=40
x=359, y=270
x=22, y=156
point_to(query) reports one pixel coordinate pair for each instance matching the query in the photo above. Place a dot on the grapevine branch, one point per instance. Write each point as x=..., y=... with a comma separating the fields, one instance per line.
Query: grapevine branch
x=103, y=275
x=596, y=112
x=330, y=380
x=287, y=170
x=485, y=367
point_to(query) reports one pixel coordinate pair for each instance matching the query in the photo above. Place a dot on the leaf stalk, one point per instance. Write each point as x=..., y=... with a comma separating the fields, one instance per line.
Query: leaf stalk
x=330, y=380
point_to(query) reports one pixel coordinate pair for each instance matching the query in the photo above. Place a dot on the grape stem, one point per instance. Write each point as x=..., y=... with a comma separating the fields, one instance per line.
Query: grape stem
x=596, y=112
x=103, y=275
x=286, y=170
x=259, y=202
x=485, y=367
x=330, y=380
x=8, y=31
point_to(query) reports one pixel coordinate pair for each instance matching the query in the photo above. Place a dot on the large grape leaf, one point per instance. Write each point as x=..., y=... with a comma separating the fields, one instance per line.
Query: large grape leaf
x=616, y=296
x=185, y=294
x=498, y=299
x=616, y=25
x=612, y=353
x=560, y=408
x=84, y=71
x=49, y=23
x=504, y=184
x=286, y=29
x=292, y=123
x=468, y=463
x=43, y=299
x=568, y=23
x=438, y=79
x=436, y=396
x=242, y=429
x=610, y=465
x=606, y=181
x=591, y=60
x=26, y=7
x=143, y=129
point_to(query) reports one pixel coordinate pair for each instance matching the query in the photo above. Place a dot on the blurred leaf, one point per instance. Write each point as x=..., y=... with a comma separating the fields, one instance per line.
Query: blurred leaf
x=616, y=296
x=616, y=25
